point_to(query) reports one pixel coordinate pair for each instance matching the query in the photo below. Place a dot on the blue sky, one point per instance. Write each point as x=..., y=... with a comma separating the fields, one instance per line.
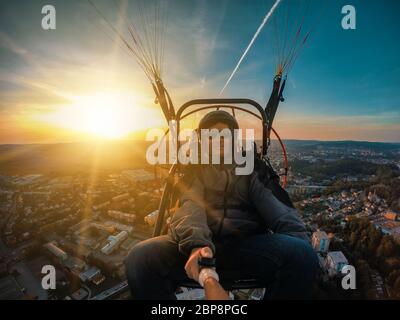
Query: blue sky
x=344, y=86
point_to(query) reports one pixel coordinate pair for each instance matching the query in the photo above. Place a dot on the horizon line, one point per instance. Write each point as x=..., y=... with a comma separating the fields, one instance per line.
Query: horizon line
x=144, y=140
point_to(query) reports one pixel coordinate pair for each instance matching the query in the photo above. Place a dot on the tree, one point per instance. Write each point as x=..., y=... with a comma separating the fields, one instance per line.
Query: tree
x=387, y=248
x=363, y=274
x=396, y=287
x=393, y=276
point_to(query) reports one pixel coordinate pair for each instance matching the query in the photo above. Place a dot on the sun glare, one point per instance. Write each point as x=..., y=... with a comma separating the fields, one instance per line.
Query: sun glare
x=101, y=115
x=108, y=115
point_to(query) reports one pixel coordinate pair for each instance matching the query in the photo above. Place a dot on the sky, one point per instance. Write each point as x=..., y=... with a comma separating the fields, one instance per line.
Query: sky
x=76, y=82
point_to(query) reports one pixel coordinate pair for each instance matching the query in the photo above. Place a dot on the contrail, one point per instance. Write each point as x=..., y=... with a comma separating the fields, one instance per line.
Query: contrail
x=266, y=18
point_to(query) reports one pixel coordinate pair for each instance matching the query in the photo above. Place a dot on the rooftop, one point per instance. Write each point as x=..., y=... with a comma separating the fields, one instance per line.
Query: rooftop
x=337, y=257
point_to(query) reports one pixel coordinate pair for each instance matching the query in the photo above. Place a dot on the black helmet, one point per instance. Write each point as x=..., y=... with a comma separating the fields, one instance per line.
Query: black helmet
x=214, y=117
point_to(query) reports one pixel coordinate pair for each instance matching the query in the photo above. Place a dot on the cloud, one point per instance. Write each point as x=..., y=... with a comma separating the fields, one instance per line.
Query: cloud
x=8, y=43
x=52, y=71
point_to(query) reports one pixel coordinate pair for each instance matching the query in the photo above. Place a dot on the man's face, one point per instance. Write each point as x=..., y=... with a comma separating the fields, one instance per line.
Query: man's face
x=219, y=126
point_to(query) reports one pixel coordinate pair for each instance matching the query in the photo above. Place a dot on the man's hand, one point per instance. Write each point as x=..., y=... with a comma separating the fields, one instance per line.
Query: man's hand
x=192, y=267
x=214, y=290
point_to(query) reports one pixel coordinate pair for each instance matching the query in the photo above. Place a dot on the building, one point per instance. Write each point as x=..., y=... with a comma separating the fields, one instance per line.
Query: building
x=138, y=175
x=93, y=275
x=101, y=206
x=108, y=264
x=27, y=180
x=119, y=226
x=121, y=197
x=79, y=250
x=109, y=293
x=102, y=227
x=390, y=215
x=80, y=294
x=75, y=265
x=114, y=242
x=334, y=262
x=320, y=241
x=125, y=217
x=59, y=253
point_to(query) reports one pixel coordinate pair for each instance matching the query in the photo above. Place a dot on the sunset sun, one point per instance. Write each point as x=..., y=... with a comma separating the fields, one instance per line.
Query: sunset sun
x=102, y=115
x=107, y=115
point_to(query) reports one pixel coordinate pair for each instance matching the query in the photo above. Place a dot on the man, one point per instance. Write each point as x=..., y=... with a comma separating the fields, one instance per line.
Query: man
x=235, y=219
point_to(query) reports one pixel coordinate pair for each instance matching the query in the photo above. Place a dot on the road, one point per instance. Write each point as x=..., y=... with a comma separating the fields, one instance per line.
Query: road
x=27, y=280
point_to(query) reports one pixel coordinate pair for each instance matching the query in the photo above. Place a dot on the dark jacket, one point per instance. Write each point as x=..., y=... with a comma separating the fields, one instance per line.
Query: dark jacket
x=219, y=205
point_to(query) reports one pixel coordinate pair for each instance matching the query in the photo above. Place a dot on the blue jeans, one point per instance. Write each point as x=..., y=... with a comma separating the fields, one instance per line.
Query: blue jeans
x=285, y=264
